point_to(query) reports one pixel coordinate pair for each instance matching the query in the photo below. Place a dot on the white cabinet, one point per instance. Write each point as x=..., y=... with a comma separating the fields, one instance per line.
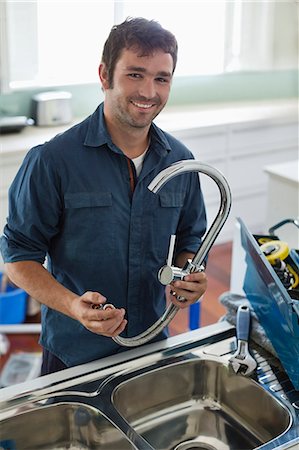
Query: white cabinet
x=283, y=199
x=250, y=149
x=240, y=149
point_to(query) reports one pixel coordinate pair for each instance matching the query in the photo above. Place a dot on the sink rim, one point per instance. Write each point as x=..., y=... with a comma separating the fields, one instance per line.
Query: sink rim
x=117, y=366
x=131, y=377
x=61, y=410
x=45, y=386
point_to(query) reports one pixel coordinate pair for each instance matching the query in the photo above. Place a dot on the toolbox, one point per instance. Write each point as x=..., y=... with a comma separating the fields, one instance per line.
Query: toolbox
x=271, y=285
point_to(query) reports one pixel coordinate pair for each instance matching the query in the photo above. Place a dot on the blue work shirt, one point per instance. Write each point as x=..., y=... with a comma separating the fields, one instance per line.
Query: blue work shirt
x=71, y=202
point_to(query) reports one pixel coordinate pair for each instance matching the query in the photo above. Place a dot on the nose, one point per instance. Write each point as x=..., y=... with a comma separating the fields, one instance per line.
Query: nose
x=147, y=88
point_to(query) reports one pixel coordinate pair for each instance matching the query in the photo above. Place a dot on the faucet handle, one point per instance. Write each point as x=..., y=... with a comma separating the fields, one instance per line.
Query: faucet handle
x=167, y=273
x=171, y=250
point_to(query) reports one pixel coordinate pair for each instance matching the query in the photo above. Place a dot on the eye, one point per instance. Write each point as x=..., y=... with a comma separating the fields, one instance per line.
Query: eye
x=134, y=75
x=162, y=80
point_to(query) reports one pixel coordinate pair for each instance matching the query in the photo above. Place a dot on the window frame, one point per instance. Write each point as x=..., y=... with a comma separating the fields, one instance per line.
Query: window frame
x=239, y=53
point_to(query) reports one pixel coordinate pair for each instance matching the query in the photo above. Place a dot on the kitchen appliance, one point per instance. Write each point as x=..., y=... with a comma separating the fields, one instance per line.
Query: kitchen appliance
x=14, y=124
x=52, y=108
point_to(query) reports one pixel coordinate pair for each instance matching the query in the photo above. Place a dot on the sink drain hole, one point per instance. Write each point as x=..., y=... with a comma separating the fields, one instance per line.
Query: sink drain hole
x=194, y=445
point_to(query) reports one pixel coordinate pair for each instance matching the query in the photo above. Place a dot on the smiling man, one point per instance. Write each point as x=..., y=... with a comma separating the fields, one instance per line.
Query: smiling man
x=81, y=200
x=141, y=87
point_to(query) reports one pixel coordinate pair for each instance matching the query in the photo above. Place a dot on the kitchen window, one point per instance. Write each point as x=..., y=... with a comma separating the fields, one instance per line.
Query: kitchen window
x=51, y=43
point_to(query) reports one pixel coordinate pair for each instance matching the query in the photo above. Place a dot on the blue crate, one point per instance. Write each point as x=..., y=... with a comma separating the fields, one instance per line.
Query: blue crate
x=13, y=304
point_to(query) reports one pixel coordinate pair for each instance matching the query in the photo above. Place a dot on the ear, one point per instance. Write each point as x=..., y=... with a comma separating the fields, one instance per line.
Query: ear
x=103, y=74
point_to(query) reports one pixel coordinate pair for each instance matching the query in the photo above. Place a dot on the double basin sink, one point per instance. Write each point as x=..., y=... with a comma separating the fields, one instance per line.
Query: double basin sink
x=181, y=394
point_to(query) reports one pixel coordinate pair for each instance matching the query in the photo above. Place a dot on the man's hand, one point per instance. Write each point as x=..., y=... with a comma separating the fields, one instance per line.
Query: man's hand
x=108, y=322
x=191, y=288
x=40, y=285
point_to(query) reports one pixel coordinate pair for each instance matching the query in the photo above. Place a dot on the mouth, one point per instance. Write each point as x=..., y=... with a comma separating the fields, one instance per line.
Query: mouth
x=142, y=105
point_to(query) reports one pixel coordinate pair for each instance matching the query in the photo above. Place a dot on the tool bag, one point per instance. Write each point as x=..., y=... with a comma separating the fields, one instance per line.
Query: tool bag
x=271, y=285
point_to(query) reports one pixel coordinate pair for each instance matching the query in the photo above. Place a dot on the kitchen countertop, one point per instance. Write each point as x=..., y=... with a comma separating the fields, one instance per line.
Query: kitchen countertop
x=194, y=116
x=174, y=119
x=287, y=171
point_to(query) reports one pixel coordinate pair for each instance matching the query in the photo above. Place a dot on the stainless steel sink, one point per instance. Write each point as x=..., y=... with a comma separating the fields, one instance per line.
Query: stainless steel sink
x=62, y=426
x=178, y=394
x=200, y=404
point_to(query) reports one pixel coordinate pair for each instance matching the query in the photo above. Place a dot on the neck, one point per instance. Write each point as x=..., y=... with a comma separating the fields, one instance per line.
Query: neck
x=132, y=142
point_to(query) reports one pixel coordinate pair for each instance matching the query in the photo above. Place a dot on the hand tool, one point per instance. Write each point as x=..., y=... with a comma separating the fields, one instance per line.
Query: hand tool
x=242, y=361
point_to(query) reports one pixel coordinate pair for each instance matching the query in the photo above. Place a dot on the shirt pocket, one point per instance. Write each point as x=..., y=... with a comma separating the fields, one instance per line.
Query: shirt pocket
x=90, y=222
x=87, y=200
x=171, y=199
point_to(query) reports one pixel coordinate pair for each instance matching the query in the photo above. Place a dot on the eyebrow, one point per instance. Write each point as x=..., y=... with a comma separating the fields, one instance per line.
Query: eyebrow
x=143, y=70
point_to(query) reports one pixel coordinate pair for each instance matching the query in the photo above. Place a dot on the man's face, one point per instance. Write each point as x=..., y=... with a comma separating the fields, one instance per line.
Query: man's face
x=141, y=86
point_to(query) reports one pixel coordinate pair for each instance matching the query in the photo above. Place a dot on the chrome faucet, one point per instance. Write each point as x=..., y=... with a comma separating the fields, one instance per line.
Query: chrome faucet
x=168, y=272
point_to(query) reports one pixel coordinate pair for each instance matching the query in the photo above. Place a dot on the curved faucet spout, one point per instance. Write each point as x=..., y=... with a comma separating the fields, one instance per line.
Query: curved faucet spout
x=190, y=165
x=167, y=275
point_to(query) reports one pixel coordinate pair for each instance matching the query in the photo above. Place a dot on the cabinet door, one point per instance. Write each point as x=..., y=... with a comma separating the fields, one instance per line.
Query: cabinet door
x=246, y=172
x=207, y=144
x=264, y=135
x=251, y=147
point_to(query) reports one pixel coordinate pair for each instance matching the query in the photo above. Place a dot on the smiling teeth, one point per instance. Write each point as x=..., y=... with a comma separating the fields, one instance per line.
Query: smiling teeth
x=142, y=105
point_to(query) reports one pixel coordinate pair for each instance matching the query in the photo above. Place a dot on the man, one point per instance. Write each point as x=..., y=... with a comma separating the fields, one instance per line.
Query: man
x=81, y=200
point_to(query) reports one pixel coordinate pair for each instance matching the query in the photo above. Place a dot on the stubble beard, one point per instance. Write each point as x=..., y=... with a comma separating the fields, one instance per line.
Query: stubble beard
x=127, y=118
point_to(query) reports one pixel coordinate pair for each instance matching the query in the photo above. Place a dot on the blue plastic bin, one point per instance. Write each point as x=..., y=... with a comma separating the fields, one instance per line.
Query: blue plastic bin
x=13, y=304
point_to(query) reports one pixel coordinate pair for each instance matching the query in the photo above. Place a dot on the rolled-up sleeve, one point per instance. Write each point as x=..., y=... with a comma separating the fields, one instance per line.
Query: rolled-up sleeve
x=34, y=209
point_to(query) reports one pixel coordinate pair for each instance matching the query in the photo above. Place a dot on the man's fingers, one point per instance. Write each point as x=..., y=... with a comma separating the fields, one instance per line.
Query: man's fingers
x=98, y=316
x=108, y=327
x=106, y=322
x=120, y=329
x=94, y=298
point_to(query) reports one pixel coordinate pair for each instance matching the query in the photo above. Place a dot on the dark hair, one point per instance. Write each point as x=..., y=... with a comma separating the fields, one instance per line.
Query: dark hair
x=142, y=34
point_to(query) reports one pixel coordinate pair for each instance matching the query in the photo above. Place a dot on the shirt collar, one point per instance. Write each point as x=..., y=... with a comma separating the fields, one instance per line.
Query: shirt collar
x=162, y=142
x=97, y=133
